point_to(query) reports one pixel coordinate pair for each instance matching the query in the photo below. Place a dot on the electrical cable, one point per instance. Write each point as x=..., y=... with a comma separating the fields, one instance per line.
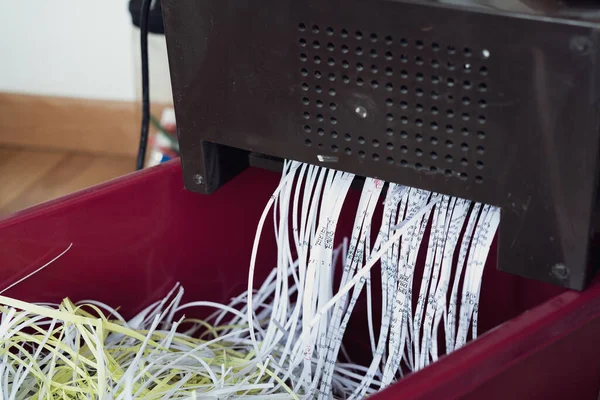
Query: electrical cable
x=145, y=12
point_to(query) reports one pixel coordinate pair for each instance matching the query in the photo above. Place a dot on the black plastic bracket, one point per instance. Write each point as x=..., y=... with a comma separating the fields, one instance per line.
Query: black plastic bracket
x=208, y=166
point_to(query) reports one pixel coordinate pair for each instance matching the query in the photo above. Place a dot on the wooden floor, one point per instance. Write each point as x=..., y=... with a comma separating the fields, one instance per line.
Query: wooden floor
x=29, y=177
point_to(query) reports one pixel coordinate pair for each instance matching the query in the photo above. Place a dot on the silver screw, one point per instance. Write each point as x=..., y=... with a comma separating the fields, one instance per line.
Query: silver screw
x=361, y=112
x=560, y=271
x=198, y=179
x=581, y=44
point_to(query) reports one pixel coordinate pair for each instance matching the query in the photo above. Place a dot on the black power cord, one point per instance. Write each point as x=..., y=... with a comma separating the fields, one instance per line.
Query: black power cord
x=145, y=84
x=155, y=21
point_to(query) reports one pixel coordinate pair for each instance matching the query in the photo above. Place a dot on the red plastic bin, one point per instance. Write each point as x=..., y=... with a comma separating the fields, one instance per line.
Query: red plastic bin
x=135, y=237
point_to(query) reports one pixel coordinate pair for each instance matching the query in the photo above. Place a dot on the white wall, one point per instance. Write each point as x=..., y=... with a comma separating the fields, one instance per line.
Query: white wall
x=76, y=48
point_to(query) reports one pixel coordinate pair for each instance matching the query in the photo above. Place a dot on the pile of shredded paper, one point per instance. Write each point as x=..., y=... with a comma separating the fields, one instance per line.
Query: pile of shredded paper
x=285, y=339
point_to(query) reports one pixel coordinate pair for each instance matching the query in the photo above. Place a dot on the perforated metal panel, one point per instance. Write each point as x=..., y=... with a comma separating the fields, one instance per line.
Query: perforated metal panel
x=490, y=106
x=424, y=102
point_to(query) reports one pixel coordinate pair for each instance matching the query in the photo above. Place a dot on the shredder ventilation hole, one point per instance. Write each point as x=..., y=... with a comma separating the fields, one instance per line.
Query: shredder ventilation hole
x=429, y=95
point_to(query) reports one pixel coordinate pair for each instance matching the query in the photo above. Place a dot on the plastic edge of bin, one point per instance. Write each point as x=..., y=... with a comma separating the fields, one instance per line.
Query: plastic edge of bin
x=172, y=166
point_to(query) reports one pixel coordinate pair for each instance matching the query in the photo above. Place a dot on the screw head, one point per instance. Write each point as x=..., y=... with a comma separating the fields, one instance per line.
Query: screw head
x=581, y=44
x=560, y=271
x=198, y=179
x=361, y=112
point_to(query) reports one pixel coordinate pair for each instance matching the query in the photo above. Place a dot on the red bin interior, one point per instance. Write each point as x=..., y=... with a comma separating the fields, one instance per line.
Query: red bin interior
x=135, y=237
